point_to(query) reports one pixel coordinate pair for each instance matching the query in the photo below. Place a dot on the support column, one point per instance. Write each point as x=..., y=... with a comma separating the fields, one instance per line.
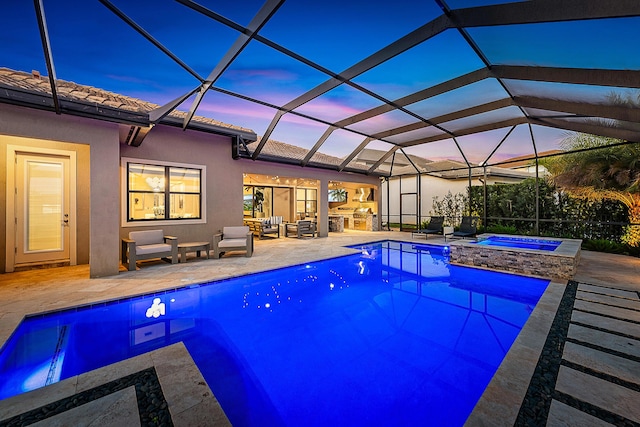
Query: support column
x=323, y=208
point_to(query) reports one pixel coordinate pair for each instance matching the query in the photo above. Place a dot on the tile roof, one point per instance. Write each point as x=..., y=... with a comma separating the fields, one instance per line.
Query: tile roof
x=35, y=83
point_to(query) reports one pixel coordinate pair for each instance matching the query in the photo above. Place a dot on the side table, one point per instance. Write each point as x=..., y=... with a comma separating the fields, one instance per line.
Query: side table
x=446, y=231
x=196, y=247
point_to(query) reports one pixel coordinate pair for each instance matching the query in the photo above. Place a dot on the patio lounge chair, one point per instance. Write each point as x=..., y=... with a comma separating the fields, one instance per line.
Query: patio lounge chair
x=434, y=227
x=300, y=228
x=238, y=238
x=148, y=244
x=468, y=227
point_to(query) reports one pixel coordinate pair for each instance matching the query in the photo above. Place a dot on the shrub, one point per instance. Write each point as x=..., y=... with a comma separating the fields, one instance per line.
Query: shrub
x=501, y=229
x=603, y=245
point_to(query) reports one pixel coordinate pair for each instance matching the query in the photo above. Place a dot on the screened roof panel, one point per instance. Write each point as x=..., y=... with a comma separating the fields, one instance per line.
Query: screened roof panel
x=263, y=73
x=231, y=109
x=617, y=124
x=118, y=69
x=298, y=131
x=373, y=152
x=577, y=44
x=478, y=147
x=481, y=92
x=424, y=132
x=390, y=120
x=335, y=33
x=517, y=143
x=548, y=138
x=241, y=15
x=339, y=103
x=341, y=143
x=339, y=63
x=434, y=61
x=20, y=39
x=488, y=118
x=190, y=24
x=436, y=151
x=570, y=92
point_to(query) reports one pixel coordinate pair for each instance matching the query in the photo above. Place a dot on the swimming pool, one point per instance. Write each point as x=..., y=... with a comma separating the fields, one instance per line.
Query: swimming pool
x=520, y=242
x=392, y=335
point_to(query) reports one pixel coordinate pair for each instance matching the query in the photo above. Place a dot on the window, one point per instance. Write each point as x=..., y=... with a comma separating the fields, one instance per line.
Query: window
x=257, y=201
x=306, y=203
x=163, y=191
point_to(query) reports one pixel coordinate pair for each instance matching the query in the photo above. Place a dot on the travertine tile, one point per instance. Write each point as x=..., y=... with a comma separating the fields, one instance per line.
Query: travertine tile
x=614, y=325
x=609, y=300
x=561, y=415
x=598, y=392
x=21, y=403
x=609, y=291
x=603, y=339
x=619, y=367
x=608, y=310
x=114, y=410
x=112, y=372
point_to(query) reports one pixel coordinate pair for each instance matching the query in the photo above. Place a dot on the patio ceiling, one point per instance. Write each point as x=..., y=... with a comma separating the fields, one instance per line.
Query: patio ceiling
x=475, y=81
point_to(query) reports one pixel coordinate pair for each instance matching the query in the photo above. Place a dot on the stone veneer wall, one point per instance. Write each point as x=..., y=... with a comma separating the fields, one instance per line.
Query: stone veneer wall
x=516, y=261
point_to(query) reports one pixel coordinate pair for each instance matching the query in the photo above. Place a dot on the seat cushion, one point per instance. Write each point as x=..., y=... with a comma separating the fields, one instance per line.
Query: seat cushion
x=150, y=249
x=235, y=232
x=148, y=237
x=232, y=243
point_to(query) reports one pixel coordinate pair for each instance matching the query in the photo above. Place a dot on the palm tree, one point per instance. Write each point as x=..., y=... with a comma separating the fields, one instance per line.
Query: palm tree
x=599, y=167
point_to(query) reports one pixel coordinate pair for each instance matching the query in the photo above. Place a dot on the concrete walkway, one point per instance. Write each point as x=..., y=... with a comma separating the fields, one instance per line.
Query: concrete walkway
x=596, y=379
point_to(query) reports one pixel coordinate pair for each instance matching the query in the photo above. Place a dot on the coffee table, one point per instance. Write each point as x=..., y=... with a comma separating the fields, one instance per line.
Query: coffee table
x=196, y=247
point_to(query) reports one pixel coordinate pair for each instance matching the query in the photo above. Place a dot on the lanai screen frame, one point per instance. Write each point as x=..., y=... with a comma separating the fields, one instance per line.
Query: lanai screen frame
x=540, y=111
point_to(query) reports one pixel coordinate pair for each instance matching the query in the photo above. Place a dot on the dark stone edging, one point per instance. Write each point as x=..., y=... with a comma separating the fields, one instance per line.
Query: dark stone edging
x=534, y=410
x=152, y=406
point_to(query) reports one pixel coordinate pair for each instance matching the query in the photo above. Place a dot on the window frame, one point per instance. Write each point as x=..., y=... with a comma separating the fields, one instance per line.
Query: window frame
x=124, y=193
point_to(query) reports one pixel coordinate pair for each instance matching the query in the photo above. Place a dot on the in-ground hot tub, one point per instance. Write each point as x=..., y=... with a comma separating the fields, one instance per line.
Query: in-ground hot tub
x=542, y=257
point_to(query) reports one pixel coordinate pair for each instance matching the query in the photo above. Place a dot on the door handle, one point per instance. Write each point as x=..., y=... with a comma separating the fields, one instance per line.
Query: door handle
x=66, y=219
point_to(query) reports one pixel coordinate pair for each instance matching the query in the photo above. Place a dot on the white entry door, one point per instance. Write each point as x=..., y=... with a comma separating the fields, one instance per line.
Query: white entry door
x=42, y=208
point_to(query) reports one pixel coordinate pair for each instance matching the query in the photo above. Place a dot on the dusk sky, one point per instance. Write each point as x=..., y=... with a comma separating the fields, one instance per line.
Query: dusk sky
x=93, y=46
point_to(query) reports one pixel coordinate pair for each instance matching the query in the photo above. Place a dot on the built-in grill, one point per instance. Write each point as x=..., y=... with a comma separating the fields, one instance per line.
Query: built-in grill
x=360, y=218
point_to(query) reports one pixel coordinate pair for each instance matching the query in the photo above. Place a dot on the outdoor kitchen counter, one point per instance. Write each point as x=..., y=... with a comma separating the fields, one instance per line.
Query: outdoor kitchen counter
x=336, y=223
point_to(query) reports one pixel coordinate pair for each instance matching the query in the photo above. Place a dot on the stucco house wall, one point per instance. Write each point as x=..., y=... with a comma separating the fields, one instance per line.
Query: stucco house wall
x=99, y=188
x=96, y=145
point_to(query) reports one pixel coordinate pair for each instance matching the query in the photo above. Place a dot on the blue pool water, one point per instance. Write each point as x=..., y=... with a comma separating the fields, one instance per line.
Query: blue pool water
x=521, y=243
x=393, y=335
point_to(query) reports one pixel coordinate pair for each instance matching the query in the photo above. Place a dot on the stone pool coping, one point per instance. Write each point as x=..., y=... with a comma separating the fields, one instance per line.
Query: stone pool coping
x=121, y=393
x=500, y=402
x=560, y=264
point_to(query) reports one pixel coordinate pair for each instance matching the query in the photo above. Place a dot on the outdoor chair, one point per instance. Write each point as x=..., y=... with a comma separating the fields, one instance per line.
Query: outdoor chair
x=238, y=238
x=300, y=228
x=263, y=227
x=468, y=227
x=148, y=244
x=434, y=227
